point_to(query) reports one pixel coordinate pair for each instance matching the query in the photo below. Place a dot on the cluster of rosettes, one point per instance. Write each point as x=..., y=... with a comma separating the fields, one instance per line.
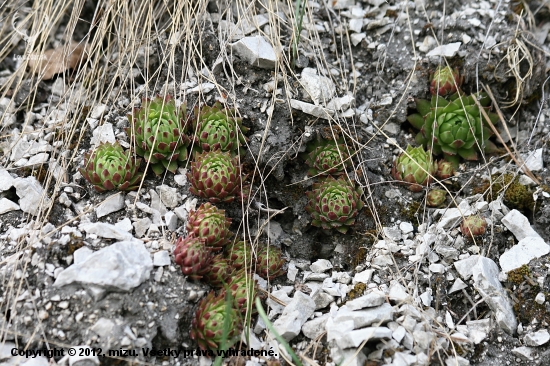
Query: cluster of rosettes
x=333, y=203
x=205, y=255
x=162, y=134
x=451, y=124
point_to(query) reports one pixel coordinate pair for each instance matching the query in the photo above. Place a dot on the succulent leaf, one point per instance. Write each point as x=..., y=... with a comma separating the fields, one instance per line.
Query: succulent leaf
x=473, y=226
x=158, y=132
x=217, y=128
x=243, y=290
x=239, y=254
x=193, y=256
x=334, y=203
x=328, y=157
x=207, y=328
x=216, y=175
x=445, y=81
x=269, y=262
x=415, y=167
x=209, y=223
x=109, y=167
x=220, y=272
x=436, y=197
x=445, y=169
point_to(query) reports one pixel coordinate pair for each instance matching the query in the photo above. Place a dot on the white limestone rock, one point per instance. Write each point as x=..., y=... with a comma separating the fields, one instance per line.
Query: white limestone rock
x=31, y=195
x=121, y=267
x=519, y=225
x=372, y=299
x=312, y=109
x=256, y=51
x=104, y=230
x=485, y=276
x=6, y=206
x=313, y=328
x=537, y=338
x=320, y=88
x=523, y=252
x=362, y=318
x=113, y=203
x=533, y=160
x=6, y=180
x=354, y=338
x=295, y=314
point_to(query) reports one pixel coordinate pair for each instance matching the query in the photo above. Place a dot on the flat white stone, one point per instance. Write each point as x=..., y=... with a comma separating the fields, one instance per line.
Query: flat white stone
x=354, y=338
x=321, y=266
x=524, y=352
x=453, y=216
x=98, y=111
x=465, y=266
x=523, y=252
x=398, y=292
x=31, y=195
x=362, y=318
x=457, y=286
x=313, y=328
x=372, y=299
x=485, y=276
x=104, y=230
x=456, y=361
x=406, y=227
x=519, y=225
x=533, y=160
x=103, y=133
x=6, y=180
x=363, y=277
x=446, y=50
x=311, y=109
x=320, y=88
x=113, y=203
x=256, y=51
x=295, y=314
x=124, y=224
x=168, y=196
x=161, y=258
x=6, y=206
x=537, y=338
x=121, y=266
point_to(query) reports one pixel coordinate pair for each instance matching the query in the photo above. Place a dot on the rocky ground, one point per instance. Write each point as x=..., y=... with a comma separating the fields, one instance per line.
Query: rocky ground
x=404, y=287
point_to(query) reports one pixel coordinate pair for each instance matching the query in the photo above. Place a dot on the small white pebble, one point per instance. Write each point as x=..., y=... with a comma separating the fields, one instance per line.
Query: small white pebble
x=540, y=298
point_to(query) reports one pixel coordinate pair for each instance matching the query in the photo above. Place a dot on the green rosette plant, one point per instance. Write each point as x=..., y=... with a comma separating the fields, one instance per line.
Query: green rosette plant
x=269, y=262
x=109, y=167
x=445, y=169
x=473, y=226
x=209, y=223
x=453, y=127
x=207, y=328
x=239, y=253
x=414, y=167
x=192, y=256
x=445, y=81
x=218, y=128
x=216, y=175
x=436, y=197
x=243, y=290
x=220, y=271
x=328, y=157
x=158, y=132
x=334, y=204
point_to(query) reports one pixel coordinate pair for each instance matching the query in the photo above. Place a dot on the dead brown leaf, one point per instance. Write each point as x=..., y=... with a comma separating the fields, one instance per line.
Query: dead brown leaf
x=57, y=60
